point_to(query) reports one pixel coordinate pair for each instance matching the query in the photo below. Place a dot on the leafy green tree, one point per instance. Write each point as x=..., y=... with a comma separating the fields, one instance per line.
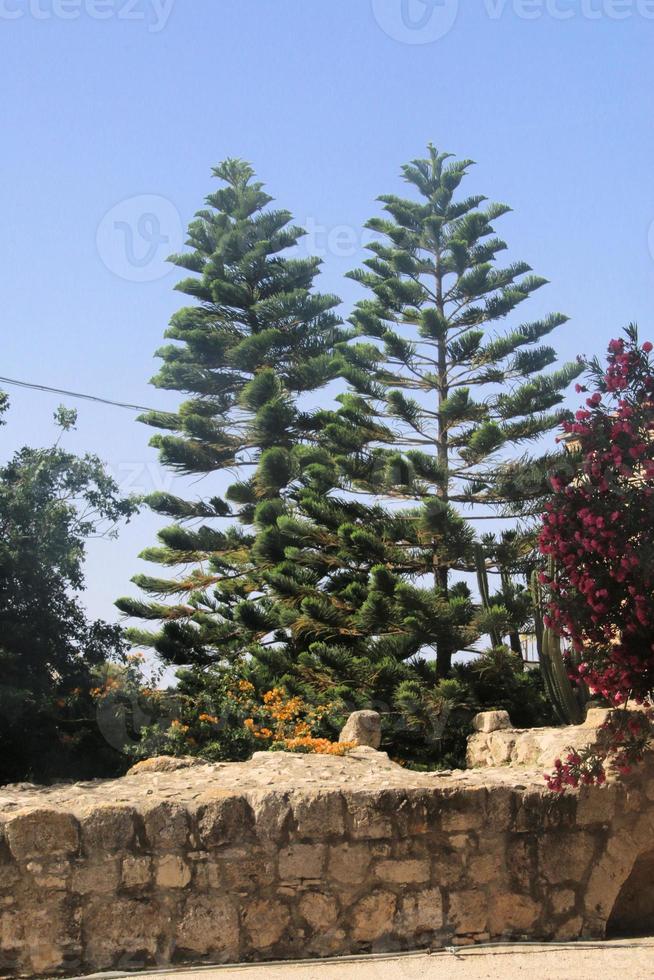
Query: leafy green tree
x=255, y=341
x=51, y=502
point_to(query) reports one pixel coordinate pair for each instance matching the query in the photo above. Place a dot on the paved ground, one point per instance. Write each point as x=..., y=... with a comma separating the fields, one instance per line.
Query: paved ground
x=629, y=959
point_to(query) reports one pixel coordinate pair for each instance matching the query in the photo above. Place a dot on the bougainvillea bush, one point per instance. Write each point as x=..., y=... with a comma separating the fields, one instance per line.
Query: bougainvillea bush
x=598, y=532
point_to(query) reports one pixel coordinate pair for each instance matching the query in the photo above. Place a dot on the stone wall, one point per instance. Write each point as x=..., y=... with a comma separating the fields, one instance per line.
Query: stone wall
x=297, y=856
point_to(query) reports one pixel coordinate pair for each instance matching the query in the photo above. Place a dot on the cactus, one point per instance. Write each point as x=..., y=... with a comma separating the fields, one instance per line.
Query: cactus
x=484, y=590
x=567, y=700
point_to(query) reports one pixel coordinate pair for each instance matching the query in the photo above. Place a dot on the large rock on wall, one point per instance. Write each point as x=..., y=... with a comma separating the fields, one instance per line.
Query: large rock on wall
x=296, y=856
x=496, y=743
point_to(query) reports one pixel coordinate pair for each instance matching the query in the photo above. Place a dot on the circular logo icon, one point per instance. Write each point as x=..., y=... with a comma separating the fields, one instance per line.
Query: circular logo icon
x=136, y=236
x=416, y=21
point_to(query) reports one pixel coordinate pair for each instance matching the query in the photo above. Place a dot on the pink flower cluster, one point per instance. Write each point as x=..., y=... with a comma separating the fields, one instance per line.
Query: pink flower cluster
x=598, y=528
x=623, y=738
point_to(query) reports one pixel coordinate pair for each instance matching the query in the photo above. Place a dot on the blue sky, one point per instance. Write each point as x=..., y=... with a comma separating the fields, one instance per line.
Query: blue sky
x=114, y=112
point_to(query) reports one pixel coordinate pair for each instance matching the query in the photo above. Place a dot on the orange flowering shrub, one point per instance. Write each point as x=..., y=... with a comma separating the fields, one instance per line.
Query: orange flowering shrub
x=287, y=724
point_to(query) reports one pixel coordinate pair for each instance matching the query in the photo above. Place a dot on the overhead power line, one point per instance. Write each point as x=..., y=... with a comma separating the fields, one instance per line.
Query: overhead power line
x=75, y=394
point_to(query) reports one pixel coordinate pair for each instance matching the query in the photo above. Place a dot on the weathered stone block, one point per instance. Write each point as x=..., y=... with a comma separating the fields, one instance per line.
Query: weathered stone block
x=172, y=871
x=320, y=911
x=42, y=833
x=136, y=872
x=265, y=922
x=565, y=856
x=224, y=818
x=167, y=826
x=463, y=810
x=403, y=872
x=468, y=911
x=272, y=813
x=448, y=866
x=208, y=926
x=522, y=860
x=420, y=912
x=246, y=870
x=349, y=863
x=363, y=728
x=373, y=916
x=42, y=936
x=512, y=914
x=487, y=866
x=108, y=828
x=123, y=930
x=370, y=815
x=318, y=815
x=99, y=876
x=491, y=721
x=571, y=929
x=302, y=861
x=563, y=901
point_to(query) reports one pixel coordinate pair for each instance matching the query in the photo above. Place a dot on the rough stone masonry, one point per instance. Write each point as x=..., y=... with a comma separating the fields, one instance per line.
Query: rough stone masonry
x=294, y=856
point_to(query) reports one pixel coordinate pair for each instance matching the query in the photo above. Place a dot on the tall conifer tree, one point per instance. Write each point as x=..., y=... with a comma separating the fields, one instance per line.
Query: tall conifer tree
x=463, y=398
x=255, y=339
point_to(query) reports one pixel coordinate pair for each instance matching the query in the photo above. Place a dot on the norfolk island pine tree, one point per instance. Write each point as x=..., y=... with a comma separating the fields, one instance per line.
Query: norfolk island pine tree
x=256, y=338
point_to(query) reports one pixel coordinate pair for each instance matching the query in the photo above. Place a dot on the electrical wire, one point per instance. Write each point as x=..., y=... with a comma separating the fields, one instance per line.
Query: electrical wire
x=76, y=394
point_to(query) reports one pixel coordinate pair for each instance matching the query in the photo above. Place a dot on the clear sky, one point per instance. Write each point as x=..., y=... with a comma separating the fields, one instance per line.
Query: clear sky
x=114, y=111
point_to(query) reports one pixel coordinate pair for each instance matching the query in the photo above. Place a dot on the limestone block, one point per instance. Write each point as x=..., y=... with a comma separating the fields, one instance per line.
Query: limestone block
x=522, y=860
x=122, y=930
x=265, y=922
x=420, y=912
x=167, y=826
x=512, y=914
x=595, y=805
x=43, y=935
x=491, y=721
x=107, y=828
x=448, y=866
x=99, y=876
x=349, y=863
x=370, y=815
x=208, y=925
x=565, y=856
x=595, y=717
x=225, y=817
x=246, y=870
x=463, y=810
x=136, y=872
x=42, y=832
x=373, y=916
x=363, y=728
x=302, y=861
x=172, y=871
x=320, y=911
x=488, y=866
x=501, y=745
x=318, y=815
x=468, y=911
x=571, y=929
x=272, y=813
x=403, y=872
